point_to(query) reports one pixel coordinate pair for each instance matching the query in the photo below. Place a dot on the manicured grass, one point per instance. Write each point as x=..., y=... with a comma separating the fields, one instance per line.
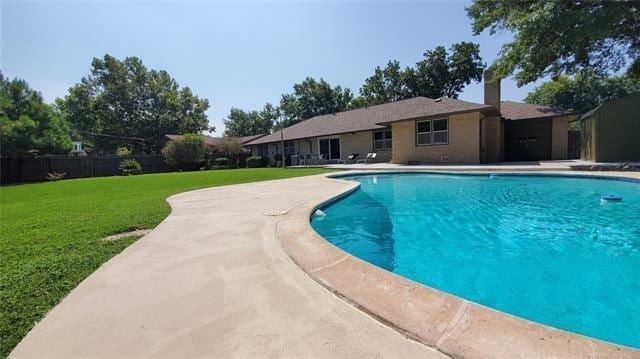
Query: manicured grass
x=50, y=233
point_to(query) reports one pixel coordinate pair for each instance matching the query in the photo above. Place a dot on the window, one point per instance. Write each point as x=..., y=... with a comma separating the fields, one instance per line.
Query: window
x=263, y=150
x=289, y=148
x=423, y=133
x=329, y=148
x=440, y=132
x=432, y=132
x=382, y=140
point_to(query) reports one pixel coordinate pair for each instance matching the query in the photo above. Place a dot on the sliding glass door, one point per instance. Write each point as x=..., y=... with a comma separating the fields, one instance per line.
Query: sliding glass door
x=330, y=148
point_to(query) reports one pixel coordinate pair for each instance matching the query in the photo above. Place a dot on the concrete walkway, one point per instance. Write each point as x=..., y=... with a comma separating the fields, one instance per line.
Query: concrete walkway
x=213, y=281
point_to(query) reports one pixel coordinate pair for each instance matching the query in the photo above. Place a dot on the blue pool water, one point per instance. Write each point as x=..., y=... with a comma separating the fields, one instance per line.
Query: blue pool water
x=538, y=247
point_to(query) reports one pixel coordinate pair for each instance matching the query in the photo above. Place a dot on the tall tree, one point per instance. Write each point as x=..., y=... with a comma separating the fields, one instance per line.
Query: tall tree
x=439, y=73
x=583, y=92
x=386, y=85
x=125, y=99
x=312, y=98
x=27, y=123
x=443, y=73
x=552, y=37
x=247, y=123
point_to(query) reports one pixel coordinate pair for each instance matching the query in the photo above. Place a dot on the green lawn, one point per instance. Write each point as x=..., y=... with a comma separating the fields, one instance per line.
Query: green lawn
x=50, y=232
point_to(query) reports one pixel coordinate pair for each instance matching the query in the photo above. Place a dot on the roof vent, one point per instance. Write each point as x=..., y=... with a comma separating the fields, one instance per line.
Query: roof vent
x=439, y=99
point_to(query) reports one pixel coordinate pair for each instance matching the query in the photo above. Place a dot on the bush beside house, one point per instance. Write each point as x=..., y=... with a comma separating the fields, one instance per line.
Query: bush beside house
x=187, y=153
x=257, y=161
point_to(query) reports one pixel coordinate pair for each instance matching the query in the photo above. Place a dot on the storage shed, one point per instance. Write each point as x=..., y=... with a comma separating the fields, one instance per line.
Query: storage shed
x=611, y=131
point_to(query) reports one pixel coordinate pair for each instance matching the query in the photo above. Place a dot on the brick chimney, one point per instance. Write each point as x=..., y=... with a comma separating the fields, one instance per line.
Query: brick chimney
x=491, y=90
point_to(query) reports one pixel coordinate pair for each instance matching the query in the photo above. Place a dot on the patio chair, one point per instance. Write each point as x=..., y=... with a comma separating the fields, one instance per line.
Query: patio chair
x=371, y=156
x=352, y=158
x=321, y=159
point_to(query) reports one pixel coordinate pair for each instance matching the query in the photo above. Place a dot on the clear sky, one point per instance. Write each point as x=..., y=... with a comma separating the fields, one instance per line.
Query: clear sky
x=238, y=54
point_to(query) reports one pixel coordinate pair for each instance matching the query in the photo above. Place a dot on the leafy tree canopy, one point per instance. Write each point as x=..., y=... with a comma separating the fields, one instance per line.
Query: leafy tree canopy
x=27, y=123
x=386, y=85
x=246, y=123
x=313, y=98
x=231, y=147
x=552, y=37
x=438, y=74
x=125, y=99
x=583, y=92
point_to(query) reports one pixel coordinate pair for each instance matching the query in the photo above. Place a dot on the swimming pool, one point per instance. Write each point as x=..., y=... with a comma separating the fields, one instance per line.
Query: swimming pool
x=539, y=247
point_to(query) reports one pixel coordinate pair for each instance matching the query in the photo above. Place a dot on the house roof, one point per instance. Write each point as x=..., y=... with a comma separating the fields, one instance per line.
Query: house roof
x=246, y=139
x=604, y=104
x=372, y=117
x=512, y=110
x=215, y=141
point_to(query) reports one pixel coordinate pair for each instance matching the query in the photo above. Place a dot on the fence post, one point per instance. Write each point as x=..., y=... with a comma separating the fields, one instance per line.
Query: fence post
x=92, y=170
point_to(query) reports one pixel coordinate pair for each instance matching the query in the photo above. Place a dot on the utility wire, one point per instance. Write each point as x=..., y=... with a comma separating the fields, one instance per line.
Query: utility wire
x=105, y=135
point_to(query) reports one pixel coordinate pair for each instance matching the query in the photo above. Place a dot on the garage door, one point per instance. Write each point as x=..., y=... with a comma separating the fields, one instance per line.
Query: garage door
x=528, y=140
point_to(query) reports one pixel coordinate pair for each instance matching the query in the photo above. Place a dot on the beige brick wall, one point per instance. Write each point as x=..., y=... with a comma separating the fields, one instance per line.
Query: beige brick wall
x=361, y=143
x=356, y=142
x=559, y=137
x=494, y=139
x=463, y=147
x=306, y=146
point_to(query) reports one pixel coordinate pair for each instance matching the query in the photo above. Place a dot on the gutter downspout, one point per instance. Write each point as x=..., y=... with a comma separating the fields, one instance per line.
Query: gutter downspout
x=284, y=160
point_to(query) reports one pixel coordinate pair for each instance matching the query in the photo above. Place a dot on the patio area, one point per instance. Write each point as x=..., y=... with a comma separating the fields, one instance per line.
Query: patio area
x=212, y=280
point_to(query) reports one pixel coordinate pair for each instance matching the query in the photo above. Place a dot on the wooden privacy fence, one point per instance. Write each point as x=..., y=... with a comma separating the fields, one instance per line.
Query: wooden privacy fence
x=27, y=169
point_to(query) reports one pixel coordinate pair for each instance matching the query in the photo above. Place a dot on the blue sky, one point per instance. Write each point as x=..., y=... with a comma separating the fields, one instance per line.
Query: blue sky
x=238, y=54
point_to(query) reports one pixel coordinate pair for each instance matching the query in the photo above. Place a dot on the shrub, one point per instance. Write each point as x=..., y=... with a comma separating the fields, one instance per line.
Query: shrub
x=187, y=153
x=257, y=161
x=123, y=151
x=130, y=167
x=278, y=160
x=55, y=176
x=221, y=161
x=231, y=147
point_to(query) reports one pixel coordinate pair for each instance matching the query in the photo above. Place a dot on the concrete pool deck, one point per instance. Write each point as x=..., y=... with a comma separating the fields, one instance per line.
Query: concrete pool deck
x=213, y=280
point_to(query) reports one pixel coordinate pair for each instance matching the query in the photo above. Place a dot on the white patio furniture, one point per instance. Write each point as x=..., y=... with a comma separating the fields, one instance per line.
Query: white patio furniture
x=350, y=159
x=371, y=156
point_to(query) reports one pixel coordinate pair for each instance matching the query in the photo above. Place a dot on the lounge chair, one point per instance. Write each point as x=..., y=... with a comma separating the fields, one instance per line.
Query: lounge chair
x=303, y=160
x=352, y=158
x=371, y=156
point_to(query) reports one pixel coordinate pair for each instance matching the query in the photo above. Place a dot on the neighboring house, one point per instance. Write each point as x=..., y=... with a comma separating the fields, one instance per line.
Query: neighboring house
x=610, y=131
x=77, y=149
x=213, y=142
x=424, y=130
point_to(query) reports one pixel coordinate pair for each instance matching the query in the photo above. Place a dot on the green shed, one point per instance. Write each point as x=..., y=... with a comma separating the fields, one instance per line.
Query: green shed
x=611, y=131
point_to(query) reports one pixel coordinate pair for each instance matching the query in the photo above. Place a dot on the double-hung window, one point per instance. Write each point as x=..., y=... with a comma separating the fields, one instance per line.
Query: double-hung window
x=289, y=148
x=432, y=132
x=382, y=140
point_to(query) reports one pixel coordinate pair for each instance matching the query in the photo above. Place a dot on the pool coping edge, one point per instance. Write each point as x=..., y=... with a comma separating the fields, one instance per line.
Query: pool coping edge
x=449, y=324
